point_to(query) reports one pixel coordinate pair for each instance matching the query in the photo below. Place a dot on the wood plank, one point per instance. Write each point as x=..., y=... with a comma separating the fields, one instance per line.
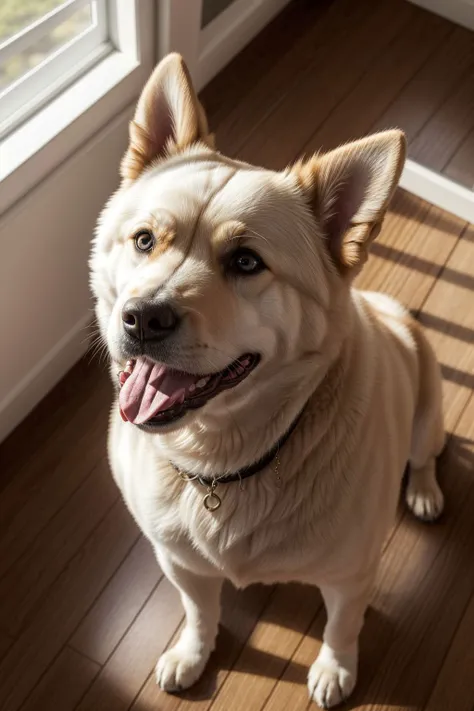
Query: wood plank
x=285, y=38
x=32, y=575
x=277, y=634
x=380, y=85
x=290, y=691
x=415, y=242
x=51, y=409
x=270, y=89
x=119, y=603
x=240, y=612
x=64, y=684
x=440, y=138
x=461, y=166
x=65, y=605
x=130, y=665
x=431, y=85
x=281, y=137
x=454, y=687
x=449, y=306
x=52, y=472
x=58, y=408
x=5, y=643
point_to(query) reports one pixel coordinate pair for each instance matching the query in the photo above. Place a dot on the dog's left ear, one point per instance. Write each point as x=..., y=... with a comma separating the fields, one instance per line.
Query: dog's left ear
x=168, y=118
x=349, y=190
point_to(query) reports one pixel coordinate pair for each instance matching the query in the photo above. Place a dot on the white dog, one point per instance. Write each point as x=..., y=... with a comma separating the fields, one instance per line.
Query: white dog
x=267, y=409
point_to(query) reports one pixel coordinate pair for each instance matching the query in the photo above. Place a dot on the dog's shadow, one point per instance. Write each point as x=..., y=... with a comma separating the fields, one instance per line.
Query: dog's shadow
x=425, y=583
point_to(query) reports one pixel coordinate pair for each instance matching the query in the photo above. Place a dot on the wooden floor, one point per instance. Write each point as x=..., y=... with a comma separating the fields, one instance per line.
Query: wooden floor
x=355, y=68
x=84, y=609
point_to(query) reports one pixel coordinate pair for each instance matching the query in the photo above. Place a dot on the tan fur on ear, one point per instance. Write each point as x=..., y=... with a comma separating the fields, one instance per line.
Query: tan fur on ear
x=349, y=190
x=168, y=118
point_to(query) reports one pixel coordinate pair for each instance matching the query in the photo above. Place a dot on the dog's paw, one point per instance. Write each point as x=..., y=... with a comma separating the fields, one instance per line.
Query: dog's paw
x=332, y=677
x=424, y=498
x=179, y=668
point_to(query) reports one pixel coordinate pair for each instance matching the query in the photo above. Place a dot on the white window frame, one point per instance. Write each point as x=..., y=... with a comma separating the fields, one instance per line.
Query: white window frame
x=60, y=68
x=45, y=140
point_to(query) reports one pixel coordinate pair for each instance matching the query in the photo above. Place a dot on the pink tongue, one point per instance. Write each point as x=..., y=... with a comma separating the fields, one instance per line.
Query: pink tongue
x=152, y=388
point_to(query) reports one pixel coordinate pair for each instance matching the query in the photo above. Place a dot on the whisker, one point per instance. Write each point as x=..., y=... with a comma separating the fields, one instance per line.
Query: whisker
x=97, y=348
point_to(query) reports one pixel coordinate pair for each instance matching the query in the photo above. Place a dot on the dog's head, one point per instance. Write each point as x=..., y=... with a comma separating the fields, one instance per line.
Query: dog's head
x=224, y=285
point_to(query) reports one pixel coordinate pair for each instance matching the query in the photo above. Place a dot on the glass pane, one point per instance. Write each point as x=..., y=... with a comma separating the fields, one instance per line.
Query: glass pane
x=18, y=65
x=15, y=15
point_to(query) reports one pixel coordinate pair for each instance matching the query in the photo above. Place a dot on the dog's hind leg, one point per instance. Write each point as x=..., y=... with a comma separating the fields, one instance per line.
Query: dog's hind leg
x=423, y=494
x=182, y=665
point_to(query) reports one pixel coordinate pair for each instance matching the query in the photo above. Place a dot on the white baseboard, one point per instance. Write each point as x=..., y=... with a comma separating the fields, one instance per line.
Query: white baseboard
x=43, y=377
x=230, y=32
x=459, y=11
x=438, y=190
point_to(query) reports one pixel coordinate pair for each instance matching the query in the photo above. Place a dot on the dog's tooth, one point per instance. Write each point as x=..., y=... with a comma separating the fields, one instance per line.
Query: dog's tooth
x=192, y=388
x=201, y=383
x=122, y=376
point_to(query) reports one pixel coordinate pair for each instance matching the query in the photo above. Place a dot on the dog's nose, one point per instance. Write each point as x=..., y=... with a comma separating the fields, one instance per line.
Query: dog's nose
x=149, y=320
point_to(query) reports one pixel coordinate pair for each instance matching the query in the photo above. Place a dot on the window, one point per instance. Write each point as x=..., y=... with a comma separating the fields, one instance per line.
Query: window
x=102, y=53
x=45, y=45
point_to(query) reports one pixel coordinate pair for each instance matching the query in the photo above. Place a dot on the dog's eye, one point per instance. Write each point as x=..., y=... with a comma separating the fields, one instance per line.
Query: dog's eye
x=245, y=261
x=144, y=241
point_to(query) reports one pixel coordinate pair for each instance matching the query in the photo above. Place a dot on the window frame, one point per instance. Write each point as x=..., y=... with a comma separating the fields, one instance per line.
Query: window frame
x=69, y=61
x=49, y=135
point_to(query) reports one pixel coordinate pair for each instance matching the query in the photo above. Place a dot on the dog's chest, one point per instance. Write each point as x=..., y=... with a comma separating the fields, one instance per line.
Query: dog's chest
x=264, y=533
x=237, y=541
x=216, y=548
x=259, y=534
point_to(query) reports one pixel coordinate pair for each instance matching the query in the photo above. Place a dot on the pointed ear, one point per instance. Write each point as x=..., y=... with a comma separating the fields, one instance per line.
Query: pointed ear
x=168, y=118
x=349, y=190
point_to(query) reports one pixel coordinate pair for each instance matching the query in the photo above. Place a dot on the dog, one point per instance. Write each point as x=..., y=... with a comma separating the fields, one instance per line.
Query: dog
x=266, y=409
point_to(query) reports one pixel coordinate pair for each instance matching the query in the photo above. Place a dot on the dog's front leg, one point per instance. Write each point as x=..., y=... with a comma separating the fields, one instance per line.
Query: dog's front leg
x=179, y=667
x=333, y=675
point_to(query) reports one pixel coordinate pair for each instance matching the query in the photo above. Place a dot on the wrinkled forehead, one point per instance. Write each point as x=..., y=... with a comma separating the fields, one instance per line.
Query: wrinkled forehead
x=201, y=196
x=196, y=209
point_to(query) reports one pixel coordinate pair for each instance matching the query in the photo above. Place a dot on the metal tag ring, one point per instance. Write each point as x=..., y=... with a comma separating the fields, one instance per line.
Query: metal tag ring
x=186, y=477
x=211, y=501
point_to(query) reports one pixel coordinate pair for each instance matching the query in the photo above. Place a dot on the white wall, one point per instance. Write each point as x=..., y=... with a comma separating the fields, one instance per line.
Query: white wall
x=44, y=292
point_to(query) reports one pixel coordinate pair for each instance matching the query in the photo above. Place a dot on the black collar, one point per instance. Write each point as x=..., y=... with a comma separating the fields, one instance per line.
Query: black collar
x=247, y=471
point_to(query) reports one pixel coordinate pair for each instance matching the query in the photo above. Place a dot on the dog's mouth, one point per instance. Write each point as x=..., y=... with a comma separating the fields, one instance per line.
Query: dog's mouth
x=153, y=394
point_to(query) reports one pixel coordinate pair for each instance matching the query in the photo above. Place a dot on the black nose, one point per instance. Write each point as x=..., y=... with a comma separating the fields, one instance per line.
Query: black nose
x=149, y=320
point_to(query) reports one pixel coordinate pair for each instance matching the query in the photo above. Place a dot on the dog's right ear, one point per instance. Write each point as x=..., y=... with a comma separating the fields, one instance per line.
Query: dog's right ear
x=349, y=190
x=168, y=118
